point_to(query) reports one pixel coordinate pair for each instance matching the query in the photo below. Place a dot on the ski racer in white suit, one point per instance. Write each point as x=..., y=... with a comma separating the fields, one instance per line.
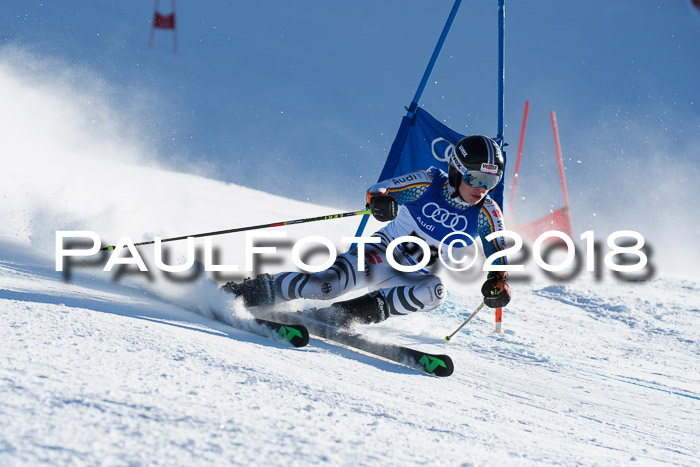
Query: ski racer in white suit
x=433, y=205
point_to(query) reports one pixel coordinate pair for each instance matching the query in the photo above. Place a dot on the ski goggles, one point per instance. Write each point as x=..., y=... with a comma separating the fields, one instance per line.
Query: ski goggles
x=476, y=178
x=487, y=175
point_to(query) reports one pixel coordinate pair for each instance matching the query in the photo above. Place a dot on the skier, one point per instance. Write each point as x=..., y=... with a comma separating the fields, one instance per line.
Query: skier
x=433, y=205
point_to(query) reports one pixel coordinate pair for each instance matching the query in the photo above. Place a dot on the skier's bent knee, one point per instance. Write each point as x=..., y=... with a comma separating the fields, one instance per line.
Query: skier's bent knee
x=423, y=296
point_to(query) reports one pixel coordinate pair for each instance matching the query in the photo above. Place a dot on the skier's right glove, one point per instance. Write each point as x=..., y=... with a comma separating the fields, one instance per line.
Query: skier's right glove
x=383, y=206
x=496, y=290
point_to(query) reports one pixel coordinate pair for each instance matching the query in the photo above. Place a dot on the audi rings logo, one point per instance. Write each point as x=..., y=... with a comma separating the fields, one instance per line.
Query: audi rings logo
x=441, y=145
x=444, y=217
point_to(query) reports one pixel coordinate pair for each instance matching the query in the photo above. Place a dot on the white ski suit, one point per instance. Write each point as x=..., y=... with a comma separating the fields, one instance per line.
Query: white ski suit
x=428, y=210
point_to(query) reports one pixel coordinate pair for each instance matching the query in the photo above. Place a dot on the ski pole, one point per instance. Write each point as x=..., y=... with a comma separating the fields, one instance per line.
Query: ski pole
x=252, y=227
x=447, y=338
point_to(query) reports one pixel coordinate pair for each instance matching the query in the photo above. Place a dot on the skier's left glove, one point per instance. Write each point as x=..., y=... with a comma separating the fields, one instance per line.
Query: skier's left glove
x=383, y=206
x=495, y=290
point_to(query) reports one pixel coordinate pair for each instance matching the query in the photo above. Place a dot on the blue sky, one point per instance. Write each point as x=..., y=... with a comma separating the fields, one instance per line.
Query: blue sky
x=303, y=99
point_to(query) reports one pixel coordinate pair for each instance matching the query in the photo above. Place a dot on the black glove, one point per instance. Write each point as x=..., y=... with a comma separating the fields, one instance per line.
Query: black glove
x=384, y=207
x=495, y=290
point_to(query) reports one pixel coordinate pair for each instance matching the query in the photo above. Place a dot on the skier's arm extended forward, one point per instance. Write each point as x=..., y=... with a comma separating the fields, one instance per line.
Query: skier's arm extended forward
x=405, y=188
x=384, y=197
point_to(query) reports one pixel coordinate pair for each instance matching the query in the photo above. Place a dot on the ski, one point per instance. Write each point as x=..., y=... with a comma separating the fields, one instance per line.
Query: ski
x=295, y=334
x=434, y=364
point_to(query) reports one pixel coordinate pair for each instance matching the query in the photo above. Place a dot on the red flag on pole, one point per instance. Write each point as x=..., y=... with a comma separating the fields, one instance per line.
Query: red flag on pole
x=557, y=220
x=164, y=21
x=161, y=21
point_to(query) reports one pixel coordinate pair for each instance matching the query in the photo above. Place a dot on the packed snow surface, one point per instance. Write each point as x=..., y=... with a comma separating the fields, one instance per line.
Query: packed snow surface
x=121, y=369
x=129, y=368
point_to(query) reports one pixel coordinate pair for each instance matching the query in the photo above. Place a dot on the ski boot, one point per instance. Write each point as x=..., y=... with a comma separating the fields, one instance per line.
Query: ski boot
x=255, y=292
x=366, y=309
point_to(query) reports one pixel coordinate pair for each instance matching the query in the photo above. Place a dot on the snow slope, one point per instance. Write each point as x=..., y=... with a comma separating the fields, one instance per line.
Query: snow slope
x=98, y=371
x=132, y=369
